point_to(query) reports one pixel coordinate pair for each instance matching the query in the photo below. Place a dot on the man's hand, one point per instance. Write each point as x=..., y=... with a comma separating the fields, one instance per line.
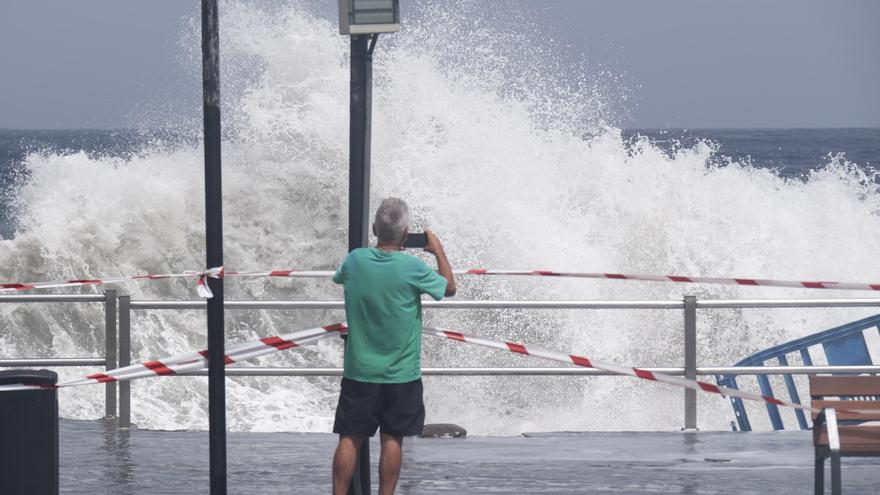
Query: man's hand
x=433, y=245
x=436, y=248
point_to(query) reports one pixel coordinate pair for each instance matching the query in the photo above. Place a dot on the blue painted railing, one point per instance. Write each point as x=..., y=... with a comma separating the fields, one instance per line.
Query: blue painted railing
x=843, y=346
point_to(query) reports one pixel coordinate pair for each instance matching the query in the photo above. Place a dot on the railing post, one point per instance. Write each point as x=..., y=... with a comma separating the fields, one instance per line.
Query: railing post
x=690, y=361
x=124, y=360
x=110, y=350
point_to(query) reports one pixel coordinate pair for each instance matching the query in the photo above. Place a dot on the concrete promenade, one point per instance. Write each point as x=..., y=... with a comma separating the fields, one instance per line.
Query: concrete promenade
x=97, y=458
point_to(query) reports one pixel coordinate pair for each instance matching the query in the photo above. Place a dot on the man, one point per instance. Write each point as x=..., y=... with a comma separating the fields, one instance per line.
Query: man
x=381, y=384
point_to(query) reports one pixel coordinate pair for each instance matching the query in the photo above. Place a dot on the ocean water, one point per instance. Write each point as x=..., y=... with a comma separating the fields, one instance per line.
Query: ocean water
x=788, y=153
x=514, y=165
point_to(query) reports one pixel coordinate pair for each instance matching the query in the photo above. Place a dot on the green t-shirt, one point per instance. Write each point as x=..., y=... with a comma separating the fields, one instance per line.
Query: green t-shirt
x=384, y=312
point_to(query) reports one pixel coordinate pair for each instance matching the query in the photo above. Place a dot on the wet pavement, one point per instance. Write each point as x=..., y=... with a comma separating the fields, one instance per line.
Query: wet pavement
x=99, y=458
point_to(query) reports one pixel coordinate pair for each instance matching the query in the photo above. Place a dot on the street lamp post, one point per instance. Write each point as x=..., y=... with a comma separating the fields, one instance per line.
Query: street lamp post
x=363, y=20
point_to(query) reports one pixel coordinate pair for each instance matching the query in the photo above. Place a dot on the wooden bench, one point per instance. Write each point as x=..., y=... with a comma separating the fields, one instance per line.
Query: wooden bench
x=838, y=433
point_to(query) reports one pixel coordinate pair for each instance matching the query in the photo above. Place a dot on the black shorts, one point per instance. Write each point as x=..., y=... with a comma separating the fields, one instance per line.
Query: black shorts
x=396, y=409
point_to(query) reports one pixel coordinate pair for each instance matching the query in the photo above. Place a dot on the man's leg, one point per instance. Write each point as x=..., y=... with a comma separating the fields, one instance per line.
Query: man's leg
x=344, y=461
x=389, y=463
x=403, y=414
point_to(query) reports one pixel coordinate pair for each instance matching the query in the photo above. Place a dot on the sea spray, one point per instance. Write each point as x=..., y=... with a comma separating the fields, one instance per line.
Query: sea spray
x=513, y=165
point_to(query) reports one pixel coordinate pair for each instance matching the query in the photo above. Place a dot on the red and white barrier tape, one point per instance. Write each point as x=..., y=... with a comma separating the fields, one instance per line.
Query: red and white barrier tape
x=619, y=370
x=248, y=350
x=202, y=286
x=197, y=360
x=606, y=276
x=219, y=272
x=684, y=279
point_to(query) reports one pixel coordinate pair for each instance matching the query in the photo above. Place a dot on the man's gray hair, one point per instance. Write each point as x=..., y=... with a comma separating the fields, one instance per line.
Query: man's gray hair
x=392, y=218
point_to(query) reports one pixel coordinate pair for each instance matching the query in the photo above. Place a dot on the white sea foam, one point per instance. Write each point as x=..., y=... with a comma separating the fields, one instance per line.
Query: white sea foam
x=514, y=163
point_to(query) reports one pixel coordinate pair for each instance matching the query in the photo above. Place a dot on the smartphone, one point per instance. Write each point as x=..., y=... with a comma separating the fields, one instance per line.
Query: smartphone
x=416, y=240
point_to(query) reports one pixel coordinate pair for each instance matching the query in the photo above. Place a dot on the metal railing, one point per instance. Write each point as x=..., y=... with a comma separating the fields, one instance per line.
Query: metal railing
x=110, y=346
x=689, y=306
x=119, y=354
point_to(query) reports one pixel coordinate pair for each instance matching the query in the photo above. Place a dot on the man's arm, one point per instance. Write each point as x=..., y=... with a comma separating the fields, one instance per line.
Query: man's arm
x=436, y=248
x=340, y=275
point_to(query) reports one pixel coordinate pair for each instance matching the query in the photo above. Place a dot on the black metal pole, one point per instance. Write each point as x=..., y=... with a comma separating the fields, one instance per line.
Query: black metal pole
x=359, y=142
x=214, y=245
x=359, y=190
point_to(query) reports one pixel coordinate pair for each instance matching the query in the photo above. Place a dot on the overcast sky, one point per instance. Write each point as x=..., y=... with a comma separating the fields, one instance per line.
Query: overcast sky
x=691, y=63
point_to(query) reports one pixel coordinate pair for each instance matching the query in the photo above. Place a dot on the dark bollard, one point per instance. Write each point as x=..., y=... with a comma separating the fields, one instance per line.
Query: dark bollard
x=29, y=434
